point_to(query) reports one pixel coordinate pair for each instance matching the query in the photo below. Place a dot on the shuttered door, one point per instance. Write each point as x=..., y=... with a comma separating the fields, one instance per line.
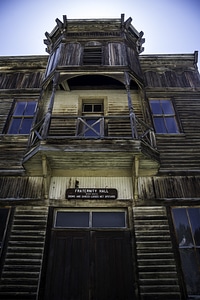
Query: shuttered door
x=68, y=266
x=93, y=265
x=112, y=266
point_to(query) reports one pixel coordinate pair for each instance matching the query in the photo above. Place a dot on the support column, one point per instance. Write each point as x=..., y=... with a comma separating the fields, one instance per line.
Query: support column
x=45, y=176
x=130, y=106
x=136, y=165
x=50, y=108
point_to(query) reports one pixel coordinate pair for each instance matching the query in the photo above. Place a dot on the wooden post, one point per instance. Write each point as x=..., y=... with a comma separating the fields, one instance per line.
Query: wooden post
x=47, y=119
x=45, y=174
x=136, y=174
x=130, y=106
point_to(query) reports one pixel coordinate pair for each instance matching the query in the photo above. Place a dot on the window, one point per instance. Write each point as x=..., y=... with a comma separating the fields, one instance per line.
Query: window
x=21, y=117
x=4, y=212
x=91, y=124
x=164, y=117
x=92, y=55
x=187, y=228
x=90, y=219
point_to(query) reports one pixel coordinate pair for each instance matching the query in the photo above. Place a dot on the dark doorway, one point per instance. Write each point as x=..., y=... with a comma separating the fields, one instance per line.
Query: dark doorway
x=89, y=264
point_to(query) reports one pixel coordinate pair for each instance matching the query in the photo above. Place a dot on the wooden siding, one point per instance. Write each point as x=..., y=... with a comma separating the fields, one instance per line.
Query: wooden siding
x=170, y=70
x=180, y=152
x=19, y=188
x=182, y=187
x=113, y=54
x=156, y=265
x=23, y=263
x=171, y=78
x=116, y=54
x=69, y=104
x=5, y=107
x=21, y=80
x=12, y=149
x=116, y=103
x=59, y=185
x=176, y=77
x=70, y=54
x=133, y=61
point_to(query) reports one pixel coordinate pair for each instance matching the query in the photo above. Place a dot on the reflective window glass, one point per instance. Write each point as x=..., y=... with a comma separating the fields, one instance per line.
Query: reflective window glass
x=194, y=215
x=156, y=107
x=30, y=108
x=21, y=117
x=164, y=117
x=72, y=219
x=159, y=123
x=108, y=219
x=25, y=126
x=167, y=107
x=171, y=125
x=19, y=108
x=90, y=219
x=14, y=126
x=187, y=228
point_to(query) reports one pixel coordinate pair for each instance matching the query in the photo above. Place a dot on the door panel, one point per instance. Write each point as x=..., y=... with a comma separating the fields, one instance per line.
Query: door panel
x=90, y=265
x=112, y=265
x=68, y=266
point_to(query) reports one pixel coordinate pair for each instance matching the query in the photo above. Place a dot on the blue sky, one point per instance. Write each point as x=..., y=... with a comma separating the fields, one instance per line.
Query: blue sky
x=169, y=26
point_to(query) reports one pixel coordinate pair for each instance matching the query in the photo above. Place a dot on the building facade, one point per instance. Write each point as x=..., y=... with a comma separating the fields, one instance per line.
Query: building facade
x=99, y=168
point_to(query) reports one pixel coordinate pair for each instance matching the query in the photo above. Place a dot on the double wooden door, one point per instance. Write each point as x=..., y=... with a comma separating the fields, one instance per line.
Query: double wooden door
x=89, y=265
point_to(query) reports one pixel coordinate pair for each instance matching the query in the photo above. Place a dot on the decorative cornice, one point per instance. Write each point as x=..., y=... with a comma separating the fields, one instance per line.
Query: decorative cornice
x=88, y=28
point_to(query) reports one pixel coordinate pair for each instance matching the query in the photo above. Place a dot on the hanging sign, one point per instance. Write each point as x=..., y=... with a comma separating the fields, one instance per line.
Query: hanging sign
x=91, y=193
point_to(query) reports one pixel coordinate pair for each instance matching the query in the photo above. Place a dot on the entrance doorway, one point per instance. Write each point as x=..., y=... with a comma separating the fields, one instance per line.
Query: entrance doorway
x=90, y=263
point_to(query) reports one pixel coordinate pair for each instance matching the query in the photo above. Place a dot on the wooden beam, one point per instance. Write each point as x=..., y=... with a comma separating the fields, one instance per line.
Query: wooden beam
x=59, y=23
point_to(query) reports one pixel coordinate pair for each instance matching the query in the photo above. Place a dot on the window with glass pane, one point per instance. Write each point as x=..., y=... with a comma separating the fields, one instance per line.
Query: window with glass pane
x=22, y=117
x=90, y=219
x=72, y=219
x=164, y=117
x=108, y=219
x=187, y=228
x=91, y=124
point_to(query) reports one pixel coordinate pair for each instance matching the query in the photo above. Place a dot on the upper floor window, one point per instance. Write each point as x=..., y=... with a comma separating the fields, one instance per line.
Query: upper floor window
x=21, y=117
x=164, y=117
x=92, y=55
x=91, y=124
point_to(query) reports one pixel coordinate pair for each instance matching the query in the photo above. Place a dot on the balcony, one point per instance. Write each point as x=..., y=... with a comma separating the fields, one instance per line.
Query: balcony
x=92, y=142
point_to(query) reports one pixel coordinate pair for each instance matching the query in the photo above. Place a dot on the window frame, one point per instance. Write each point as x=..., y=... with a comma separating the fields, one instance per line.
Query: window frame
x=185, y=246
x=7, y=128
x=94, y=118
x=90, y=223
x=164, y=116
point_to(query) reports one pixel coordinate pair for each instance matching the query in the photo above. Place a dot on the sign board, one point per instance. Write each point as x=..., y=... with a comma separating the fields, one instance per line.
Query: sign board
x=91, y=193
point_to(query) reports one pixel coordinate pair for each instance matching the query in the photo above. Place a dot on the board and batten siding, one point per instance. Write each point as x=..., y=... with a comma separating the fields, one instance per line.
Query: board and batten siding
x=59, y=185
x=21, y=80
x=19, y=188
x=182, y=187
x=5, y=106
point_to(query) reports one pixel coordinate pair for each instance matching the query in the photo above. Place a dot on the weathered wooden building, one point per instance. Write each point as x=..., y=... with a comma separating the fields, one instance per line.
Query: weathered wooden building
x=99, y=168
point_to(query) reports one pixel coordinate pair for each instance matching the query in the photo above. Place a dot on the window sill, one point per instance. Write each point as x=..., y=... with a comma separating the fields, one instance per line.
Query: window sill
x=170, y=134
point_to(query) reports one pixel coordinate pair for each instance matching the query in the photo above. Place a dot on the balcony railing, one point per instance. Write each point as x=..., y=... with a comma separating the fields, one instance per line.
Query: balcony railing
x=93, y=127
